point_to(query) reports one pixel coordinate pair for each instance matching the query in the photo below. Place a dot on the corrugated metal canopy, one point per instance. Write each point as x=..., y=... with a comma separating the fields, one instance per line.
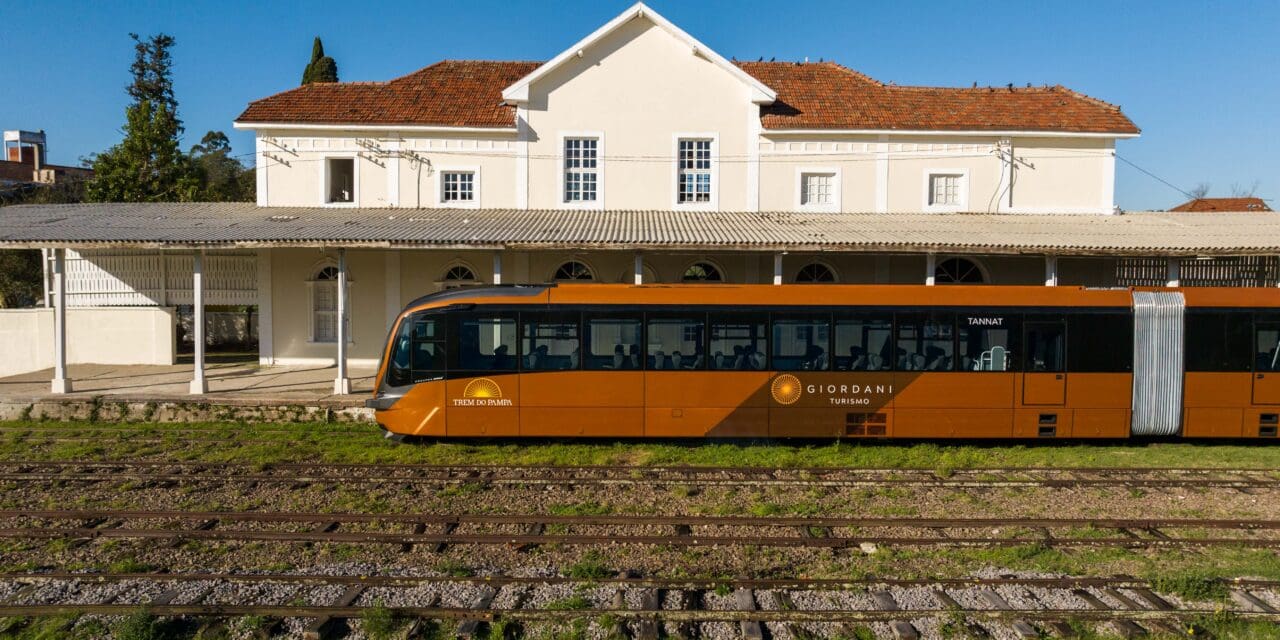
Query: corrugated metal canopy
x=187, y=225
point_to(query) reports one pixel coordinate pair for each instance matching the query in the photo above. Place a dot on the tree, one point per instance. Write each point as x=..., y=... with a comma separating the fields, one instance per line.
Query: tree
x=147, y=165
x=1199, y=191
x=20, y=278
x=322, y=68
x=1244, y=191
x=222, y=177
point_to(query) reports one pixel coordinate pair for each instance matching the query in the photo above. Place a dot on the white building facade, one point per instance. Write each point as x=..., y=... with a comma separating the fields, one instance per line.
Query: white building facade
x=635, y=126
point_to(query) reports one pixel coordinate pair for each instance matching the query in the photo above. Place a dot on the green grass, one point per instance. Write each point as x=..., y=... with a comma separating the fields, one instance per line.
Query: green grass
x=590, y=566
x=269, y=443
x=572, y=603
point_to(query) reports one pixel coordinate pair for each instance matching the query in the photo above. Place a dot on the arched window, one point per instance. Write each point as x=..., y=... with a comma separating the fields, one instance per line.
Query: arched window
x=324, y=304
x=702, y=272
x=458, y=275
x=958, y=271
x=574, y=270
x=814, y=273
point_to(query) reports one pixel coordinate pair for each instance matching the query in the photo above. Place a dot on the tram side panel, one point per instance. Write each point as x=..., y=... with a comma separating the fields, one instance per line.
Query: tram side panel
x=1231, y=387
x=696, y=404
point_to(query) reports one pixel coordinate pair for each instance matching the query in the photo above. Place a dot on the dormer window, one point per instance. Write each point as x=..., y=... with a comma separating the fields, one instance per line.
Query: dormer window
x=340, y=180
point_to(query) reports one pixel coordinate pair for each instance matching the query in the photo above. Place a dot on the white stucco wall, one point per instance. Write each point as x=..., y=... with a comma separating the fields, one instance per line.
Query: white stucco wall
x=640, y=88
x=95, y=335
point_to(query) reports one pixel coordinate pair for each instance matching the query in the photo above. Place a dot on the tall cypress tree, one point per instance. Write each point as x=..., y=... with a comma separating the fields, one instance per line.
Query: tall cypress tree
x=322, y=68
x=148, y=165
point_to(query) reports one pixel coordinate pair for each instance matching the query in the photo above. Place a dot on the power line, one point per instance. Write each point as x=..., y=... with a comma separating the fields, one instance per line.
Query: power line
x=1162, y=180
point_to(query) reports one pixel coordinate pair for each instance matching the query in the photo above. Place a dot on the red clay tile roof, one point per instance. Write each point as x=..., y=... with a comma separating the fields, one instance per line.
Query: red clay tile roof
x=450, y=93
x=826, y=95
x=820, y=95
x=1223, y=204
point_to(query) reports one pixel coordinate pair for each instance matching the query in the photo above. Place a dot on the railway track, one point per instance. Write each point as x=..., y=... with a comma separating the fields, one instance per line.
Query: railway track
x=640, y=607
x=526, y=530
x=304, y=474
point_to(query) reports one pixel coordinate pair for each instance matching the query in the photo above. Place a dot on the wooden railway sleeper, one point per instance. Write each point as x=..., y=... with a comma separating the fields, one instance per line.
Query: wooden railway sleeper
x=745, y=600
x=470, y=627
x=328, y=627
x=1021, y=628
x=1126, y=628
x=973, y=629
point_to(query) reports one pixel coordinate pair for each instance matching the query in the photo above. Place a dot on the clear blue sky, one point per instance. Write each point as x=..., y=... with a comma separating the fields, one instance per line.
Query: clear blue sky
x=1198, y=77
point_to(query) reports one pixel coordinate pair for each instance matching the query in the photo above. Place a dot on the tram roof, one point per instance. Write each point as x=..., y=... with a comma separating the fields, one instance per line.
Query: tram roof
x=246, y=225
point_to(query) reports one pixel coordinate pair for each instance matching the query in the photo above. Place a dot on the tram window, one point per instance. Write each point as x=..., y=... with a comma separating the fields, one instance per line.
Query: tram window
x=549, y=342
x=612, y=343
x=399, y=367
x=864, y=343
x=1045, y=345
x=485, y=342
x=737, y=342
x=987, y=342
x=1103, y=342
x=676, y=343
x=926, y=342
x=1266, y=337
x=802, y=343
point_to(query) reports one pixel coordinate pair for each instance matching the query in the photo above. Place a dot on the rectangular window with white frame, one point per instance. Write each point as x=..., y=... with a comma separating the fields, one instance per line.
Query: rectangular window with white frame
x=946, y=190
x=695, y=171
x=459, y=187
x=818, y=189
x=339, y=181
x=581, y=177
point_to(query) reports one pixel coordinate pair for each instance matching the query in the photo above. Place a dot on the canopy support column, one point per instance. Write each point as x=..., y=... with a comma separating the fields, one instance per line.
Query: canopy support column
x=930, y=269
x=1051, y=271
x=777, y=268
x=342, y=384
x=60, y=382
x=199, y=385
x=1175, y=272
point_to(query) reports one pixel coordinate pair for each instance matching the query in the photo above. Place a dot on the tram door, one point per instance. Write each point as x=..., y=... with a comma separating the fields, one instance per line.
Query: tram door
x=1266, y=368
x=1044, y=365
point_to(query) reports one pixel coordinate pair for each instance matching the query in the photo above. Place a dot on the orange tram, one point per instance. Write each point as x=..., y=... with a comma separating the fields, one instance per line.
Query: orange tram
x=833, y=361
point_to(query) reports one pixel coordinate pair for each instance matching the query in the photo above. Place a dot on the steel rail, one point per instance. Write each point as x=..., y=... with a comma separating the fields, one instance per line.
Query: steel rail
x=581, y=476
x=674, y=615
x=831, y=542
x=632, y=468
x=668, y=584
x=644, y=520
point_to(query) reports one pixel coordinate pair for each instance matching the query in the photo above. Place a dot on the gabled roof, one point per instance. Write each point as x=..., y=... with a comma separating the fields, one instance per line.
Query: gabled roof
x=816, y=95
x=450, y=93
x=1223, y=204
x=519, y=91
x=826, y=95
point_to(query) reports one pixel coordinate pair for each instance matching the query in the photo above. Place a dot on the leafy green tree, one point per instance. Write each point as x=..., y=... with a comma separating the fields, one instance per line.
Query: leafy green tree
x=322, y=68
x=148, y=165
x=20, y=278
x=222, y=177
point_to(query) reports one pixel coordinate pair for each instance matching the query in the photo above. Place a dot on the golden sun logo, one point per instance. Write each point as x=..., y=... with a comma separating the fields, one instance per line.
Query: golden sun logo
x=482, y=388
x=785, y=389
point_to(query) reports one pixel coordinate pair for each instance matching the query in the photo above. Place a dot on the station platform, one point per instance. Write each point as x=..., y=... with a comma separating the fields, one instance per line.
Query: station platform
x=237, y=391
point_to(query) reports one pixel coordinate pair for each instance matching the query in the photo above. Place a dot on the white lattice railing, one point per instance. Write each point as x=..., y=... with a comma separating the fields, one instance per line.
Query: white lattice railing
x=152, y=278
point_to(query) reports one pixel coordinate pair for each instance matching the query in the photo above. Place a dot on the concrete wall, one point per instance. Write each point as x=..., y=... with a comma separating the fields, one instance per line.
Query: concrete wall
x=105, y=335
